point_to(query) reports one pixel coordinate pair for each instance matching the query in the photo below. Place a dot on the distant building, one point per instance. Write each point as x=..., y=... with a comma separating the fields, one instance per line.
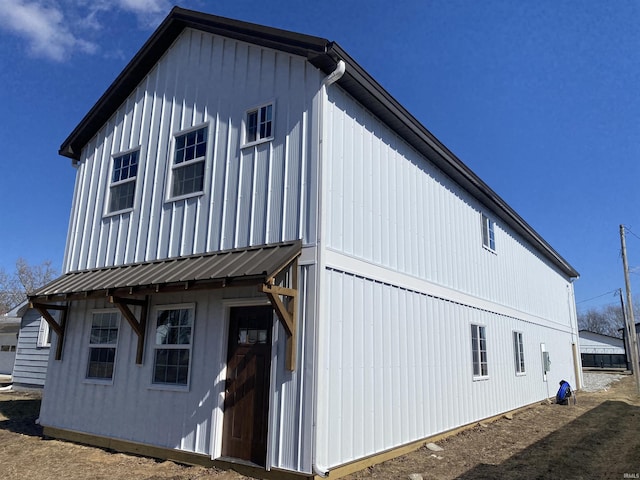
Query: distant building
x=33, y=348
x=601, y=351
x=9, y=328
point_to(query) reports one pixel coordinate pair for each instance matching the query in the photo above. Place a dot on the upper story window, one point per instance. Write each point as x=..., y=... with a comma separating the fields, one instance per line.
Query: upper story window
x=188, y=163
x=259, y=124
x=488, y=233
x=44, y=334
x=123, y=181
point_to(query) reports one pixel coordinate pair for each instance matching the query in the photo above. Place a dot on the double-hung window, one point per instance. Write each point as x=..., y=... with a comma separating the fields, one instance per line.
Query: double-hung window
x=123, y=181
x=259, y=124
x=102, y=345
x=488, y=233
x=188, y=163
x=479, y=351
x=173, y=341
x=518, y=350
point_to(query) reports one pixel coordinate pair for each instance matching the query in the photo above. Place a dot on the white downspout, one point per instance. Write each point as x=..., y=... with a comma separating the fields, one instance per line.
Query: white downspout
x=333, y=77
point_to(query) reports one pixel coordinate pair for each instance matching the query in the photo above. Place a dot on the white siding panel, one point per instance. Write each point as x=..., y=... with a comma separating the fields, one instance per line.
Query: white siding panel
x=251, y=195
x=420, y=222
x=399, y=366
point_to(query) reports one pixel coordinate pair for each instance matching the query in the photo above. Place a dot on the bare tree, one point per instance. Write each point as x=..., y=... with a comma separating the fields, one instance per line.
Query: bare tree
x=607, y=320
x=14, y=287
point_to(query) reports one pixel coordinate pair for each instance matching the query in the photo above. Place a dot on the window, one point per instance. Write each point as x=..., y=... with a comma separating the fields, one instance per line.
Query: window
x=518, y=349
x=259, y=124
x=488, y=234
x=102, y=345
x=479, y=350
x=7, y=348
x=188, y=163
x=44, y=334
x=173, y=340
x=123, y=181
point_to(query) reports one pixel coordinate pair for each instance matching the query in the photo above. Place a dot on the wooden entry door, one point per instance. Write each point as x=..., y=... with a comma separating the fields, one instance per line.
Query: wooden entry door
x=246, y=405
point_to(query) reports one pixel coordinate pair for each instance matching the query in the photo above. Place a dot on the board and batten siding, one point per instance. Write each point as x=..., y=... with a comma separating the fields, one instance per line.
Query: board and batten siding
x=252, y=196
x=31, y=360
x=388, y=206
x=396, y=366
x=132, y=408
x=405, y=276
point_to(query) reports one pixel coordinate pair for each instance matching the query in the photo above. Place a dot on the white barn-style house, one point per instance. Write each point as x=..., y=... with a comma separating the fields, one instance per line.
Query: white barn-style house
x=270, y=262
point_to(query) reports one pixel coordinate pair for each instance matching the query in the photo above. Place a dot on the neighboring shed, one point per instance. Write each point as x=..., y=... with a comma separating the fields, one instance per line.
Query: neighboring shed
x=602, y=351
x=34, y=345
x=271, y=262
x=9, y=328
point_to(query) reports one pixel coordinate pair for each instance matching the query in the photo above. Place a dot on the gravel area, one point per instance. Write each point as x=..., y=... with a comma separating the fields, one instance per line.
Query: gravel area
x=596, y=382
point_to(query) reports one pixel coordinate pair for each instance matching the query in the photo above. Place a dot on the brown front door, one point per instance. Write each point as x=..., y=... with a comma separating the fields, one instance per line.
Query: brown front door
x=246, y=405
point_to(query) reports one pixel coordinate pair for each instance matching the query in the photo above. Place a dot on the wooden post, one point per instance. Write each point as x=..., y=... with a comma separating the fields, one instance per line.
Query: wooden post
x=631, y=325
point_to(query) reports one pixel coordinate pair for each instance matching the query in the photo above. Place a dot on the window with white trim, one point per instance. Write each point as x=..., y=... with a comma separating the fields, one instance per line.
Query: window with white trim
x=479, y=351
x=488, y=233
x=123, y=181
x=518, y=351
x=44, y=334
x=188, y=163
x=102, y=345
x=172, y=346
x=259, y=124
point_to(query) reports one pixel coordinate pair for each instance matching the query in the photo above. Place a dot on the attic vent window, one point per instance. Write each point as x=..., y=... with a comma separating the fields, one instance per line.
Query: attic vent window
x=123, y=181
x=188, y=163
x=259, y=124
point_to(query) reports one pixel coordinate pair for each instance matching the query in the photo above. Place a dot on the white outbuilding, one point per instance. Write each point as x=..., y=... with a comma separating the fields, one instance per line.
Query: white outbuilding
x=270, y=262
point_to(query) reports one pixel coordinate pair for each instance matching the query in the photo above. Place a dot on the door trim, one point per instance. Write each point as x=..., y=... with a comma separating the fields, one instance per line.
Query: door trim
x=217, y=420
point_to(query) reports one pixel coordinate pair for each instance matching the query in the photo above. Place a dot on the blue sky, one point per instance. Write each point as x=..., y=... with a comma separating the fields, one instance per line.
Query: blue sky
x=540, y=98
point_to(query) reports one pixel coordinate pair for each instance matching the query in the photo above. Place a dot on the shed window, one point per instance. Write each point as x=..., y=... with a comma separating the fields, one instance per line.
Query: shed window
x=259, y=124
x=44, y=334
x=102, y=345
x=173, y=340
x=518, y=350
x=188, y=163
x=479, y=350
x=123, y=182
x=488, y=233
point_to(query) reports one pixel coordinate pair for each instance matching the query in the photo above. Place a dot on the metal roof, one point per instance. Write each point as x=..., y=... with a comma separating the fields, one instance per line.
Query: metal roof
x=247, y=266
x=324, y=55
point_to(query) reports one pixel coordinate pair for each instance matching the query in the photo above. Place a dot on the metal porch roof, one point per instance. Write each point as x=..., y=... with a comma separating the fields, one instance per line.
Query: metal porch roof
x=244, y=266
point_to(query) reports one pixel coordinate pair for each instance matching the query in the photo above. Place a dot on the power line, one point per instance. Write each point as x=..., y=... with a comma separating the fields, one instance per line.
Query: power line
x=628, y=230
x=599, y=296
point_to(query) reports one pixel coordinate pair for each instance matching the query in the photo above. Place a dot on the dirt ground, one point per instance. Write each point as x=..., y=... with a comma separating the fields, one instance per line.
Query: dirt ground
x=596, y=439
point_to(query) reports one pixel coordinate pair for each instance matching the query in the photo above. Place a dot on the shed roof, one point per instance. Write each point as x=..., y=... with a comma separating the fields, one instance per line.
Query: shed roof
x=324, y=55
x=246, y=266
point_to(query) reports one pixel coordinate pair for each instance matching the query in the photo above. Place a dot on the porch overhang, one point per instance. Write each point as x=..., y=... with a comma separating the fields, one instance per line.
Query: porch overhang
x=123, y=285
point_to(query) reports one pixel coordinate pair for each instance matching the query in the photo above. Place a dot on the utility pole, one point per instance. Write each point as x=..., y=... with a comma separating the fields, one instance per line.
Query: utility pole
x=631, y=324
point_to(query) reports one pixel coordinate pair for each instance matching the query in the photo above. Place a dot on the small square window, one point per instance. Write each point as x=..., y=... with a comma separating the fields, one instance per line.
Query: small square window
x=259, y=124
x=488, y=233
x=188, y=163
x=123, y=182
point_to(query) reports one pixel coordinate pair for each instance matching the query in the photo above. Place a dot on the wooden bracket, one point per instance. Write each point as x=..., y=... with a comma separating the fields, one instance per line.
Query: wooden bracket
x=287, y=314
x=59, y=328
x=138, y=327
